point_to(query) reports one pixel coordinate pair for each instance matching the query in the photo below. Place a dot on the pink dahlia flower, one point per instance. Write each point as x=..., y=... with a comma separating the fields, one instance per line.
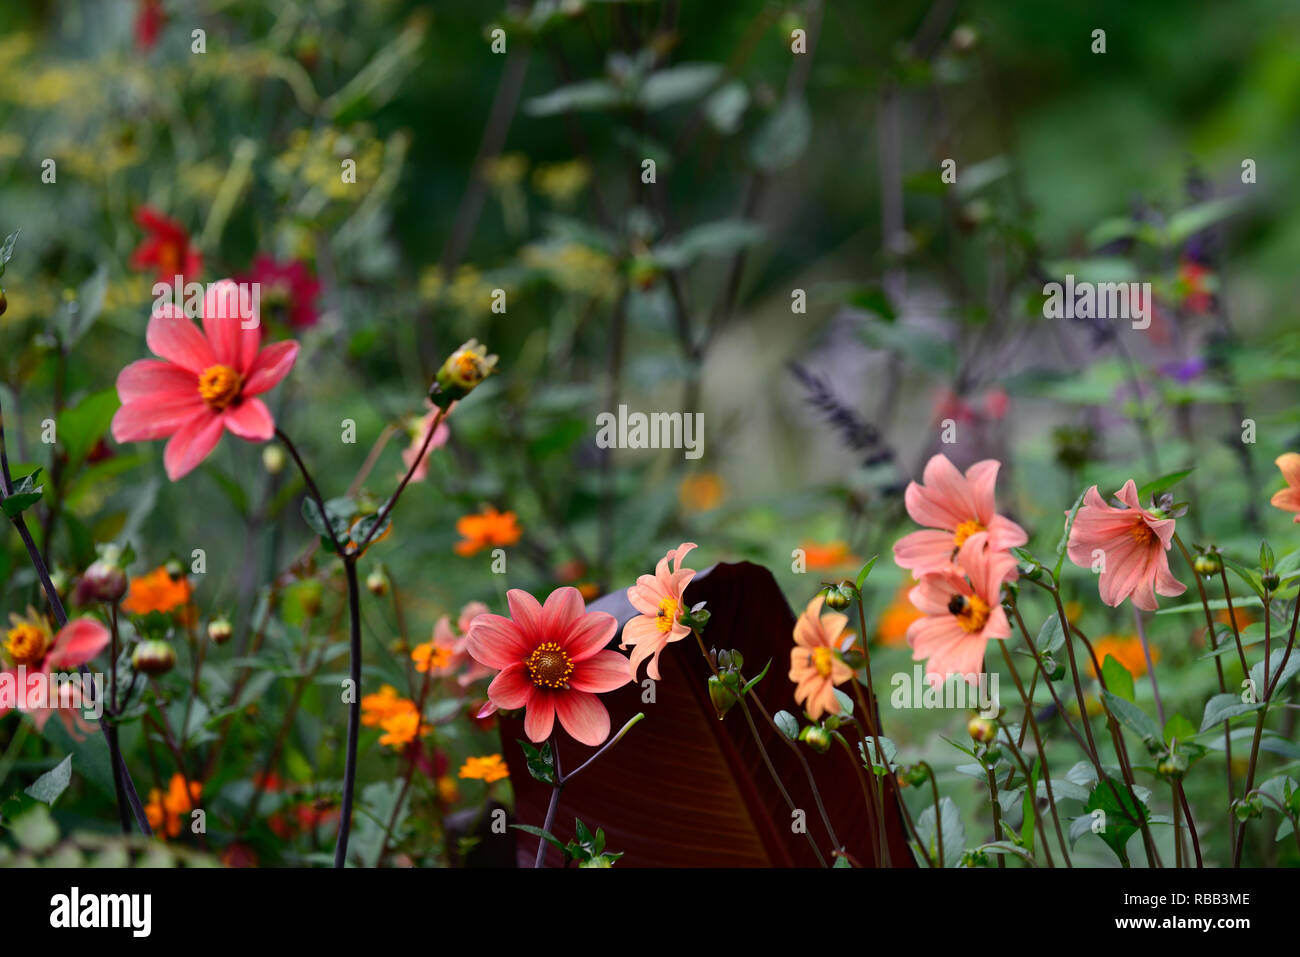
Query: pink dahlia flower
x=815, y=663
x=552, y=663
x=1129, y=545
x=288, y=289
x=202, y=384
x=962, y=605
x=954, y=507
x=659, y=599
x=30, y=644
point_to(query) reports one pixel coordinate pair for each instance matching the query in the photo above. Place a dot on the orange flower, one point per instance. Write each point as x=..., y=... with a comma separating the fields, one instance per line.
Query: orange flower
x=158, y=591
x=891, y=629
x=377, y=708
x=402, y=727
x=433, y=655
x=488, y=527
x=1126, y=649
x=488, y=768
x=448, y=793
x=702, y=491
x=1288, y=498
x=834, y=554
x=815, y=663
x=164, y=811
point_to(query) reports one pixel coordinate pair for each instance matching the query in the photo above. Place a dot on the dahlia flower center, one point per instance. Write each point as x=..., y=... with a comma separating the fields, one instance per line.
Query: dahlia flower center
x=667, y=615
x=1142, y=533
x=467, y=367
x=965, y=530
x=549, y=666
x=26, y=644
x=971, y=611
x=821, y=660
x=169, y=258
x=219, y=386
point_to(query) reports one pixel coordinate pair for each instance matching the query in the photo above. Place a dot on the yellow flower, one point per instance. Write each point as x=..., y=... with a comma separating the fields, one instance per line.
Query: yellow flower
x=505, y=170
x=488, y=768
x=562, y=182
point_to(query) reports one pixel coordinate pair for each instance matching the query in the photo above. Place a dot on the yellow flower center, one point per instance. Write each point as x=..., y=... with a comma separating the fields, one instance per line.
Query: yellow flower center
x=1142, y=533
x=821, y=660
x=549, y=666
x=667, y=615
x=467, y=367
x=219, y=386
x=965, y=530
x=972, y=611
x=26, y=644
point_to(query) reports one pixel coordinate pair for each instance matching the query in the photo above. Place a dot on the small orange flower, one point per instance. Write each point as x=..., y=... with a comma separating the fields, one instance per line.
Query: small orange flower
x=830, y=555
x=158, y=591
x=1288, y=499
x=402, y=727
x=448, y=792
x=165, y=811
x=432, y=655
x=702, y=491
x=488, y=768
x=895, y=619
x=1126, y=649
x=377, y=708
x=488, y=527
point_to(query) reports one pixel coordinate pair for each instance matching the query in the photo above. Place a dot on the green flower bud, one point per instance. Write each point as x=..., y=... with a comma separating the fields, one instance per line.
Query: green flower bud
x=981, y=729
x=377, y=583
x=461, y=373
x=839, y=597
x=917, y=775
x=273, y=459
x=220, y=630
x=1207, y=564
x=1270, y=580
x=1172, y=766
x=721, y=695
x=816, y=738
x=153, y=657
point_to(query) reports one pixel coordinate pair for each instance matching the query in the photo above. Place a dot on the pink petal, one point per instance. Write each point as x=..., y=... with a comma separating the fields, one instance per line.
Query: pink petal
x=602, y=672
x=77, y=642
x=270, y=366
x=924, y=551
x=583, y=716
x=145, y=378
x=563, y=608
x=191, y=445
x=527, y=615
x=496, y=641
x=982, y=478
x=157, y=417
x=250, y=419
x=540, y=717
x=589, y=634
x=511, y=688
x=173, y=337
x=224, y=318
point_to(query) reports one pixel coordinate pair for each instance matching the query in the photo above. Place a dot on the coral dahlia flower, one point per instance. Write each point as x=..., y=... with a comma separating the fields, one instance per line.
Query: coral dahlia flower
x=962, y=605
x=1131, y=545
x=288, y=290
x=1288, y=498
x=203, y=384
x=166, y=250
x=29, y=643
x=954, y=507
x=659, y=599
x=815, y=663
x=552, y=663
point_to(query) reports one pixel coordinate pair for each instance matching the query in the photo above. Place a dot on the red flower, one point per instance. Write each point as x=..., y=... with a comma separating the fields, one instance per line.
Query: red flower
x=288, y=290
x=552, y=662
x=166, y=249
x=206, y=383
x=149, y=21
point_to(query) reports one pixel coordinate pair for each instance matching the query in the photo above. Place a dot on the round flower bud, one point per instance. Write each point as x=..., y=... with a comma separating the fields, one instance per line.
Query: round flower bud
x=722, y=696
x=103, y=581
x=1270, y=580
x=1207, y=564
x=220, y=630
x=1172, y=766
x=816, y=738
x=839, y=597
x=377, y=583
x=1054, y=669
x=273, y=459
x=917, y=775
x=600, y=860
x=175, y=569
x=981, y=729
x=461, y=373
x=153, y=657
x=964, y=38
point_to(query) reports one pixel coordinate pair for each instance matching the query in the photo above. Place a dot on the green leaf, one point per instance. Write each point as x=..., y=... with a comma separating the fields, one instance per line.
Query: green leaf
x=718, y=238
x=1186, y=223
x=1027, y=807
x=1051, y=637
x=782, y=138
x=7, y=250
x=749, y=685
x=1248, y=575
x=954, y=833
x=1162, y=484
x=866, y=570
x=677, y=84
x=841, y=861
x=1119, y=813
x=873, y=299
x=1117, y=678
x=35, y=830
x=544, y=835
x=587, y=95
x=339, y=511
x=541, y=763
x=1224, y=706
x=52, y=783
x=362, y=528
x=83, y=425
x=844, y=701
x=1132, y=717
x=788, y=724
x=25, y=494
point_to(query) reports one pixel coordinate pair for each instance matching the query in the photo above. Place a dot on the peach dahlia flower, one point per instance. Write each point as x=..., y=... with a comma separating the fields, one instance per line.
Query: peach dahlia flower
x=815, y=663
x=659, y=599
x=1288, y=499
x=1131, y=545
x=953, y=507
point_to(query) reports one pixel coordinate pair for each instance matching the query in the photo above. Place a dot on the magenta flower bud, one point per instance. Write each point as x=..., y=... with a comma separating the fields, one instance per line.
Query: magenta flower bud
x=103, y=581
